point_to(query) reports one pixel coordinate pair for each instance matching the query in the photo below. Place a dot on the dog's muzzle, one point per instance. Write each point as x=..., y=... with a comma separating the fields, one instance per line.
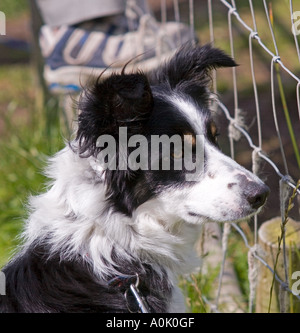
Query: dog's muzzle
x=255, y=193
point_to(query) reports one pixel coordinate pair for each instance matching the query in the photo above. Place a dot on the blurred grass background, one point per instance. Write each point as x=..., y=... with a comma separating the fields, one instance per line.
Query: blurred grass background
x=13, y=8
x=26, y=139
x=30, y=129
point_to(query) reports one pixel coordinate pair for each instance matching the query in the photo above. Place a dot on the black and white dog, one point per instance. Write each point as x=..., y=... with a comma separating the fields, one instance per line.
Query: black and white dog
x=116, y=239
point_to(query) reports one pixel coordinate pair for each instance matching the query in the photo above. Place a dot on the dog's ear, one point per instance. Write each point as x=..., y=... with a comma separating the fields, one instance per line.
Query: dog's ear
x=189, y=69
x=121, y=100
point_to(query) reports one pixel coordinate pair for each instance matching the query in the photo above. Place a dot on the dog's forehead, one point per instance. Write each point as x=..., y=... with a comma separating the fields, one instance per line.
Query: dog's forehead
x=191, y=112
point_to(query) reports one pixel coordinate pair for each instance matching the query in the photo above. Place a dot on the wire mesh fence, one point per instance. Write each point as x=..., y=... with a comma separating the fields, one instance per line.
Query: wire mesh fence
x=262, y=118
x=244, y=23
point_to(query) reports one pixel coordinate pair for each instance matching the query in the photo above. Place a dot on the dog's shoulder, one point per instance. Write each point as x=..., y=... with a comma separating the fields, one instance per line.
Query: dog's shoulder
x=36, y=282
x=39, y=282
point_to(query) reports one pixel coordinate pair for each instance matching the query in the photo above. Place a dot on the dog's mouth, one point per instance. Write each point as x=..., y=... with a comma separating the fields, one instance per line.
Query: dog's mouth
x=228, y=216
x=250, y=205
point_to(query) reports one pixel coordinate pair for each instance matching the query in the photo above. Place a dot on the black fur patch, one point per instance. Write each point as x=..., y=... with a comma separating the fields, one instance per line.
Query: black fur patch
x=188, y=71
x=39, y=283
x=122, y=100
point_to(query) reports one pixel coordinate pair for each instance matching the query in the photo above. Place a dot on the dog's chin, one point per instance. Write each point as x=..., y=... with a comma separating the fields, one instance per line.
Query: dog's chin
x=246, y=216
x=231, y=217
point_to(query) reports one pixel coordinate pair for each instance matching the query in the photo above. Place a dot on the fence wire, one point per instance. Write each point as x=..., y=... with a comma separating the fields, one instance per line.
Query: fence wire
x=237, y=128
x=236, y=125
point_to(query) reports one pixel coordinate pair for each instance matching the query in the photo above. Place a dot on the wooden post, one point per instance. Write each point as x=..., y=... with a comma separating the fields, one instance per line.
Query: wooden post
x=268, y=239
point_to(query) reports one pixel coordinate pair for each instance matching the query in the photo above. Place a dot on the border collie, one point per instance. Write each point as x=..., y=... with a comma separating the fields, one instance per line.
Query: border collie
x=116, y=240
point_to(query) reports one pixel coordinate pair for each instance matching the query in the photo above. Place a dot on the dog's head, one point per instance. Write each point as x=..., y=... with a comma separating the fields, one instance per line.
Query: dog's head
x=154, y=139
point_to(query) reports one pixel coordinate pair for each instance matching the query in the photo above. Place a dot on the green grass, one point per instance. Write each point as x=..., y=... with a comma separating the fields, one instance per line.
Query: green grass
x=26, y=139
x=13, y=8
x=198, y=288
x=238, y=253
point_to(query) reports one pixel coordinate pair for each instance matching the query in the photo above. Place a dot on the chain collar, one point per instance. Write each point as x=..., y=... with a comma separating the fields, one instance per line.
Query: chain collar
x=130, y=283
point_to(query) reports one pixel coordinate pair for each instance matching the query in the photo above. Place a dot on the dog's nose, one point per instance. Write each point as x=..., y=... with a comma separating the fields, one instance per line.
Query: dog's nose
x=256, y=194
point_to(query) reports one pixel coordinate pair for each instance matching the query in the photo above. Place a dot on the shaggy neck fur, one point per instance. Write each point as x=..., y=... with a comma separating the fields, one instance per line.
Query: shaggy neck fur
x=74, y=220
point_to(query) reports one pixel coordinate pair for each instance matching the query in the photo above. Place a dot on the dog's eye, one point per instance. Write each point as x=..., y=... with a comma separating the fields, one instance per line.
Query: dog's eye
x=177, y=153
x=187, y=146
x=214, y=131
x=213, y=128
x=216, y=137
